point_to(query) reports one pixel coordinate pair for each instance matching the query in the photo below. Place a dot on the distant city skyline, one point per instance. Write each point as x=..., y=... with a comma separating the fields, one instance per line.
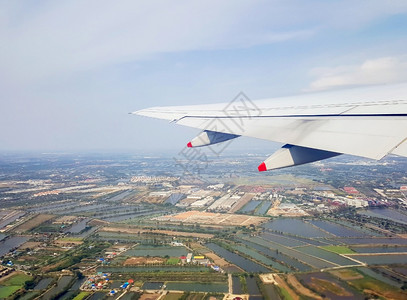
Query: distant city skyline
x=71, y=71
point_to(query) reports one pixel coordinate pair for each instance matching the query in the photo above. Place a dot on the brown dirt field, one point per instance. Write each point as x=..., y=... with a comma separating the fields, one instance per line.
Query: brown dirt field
x=134, y=261
x=150, y=296
x=386, y=295
x=97, y=222
x=198, y=247
x=292, y=280
x=198, y=217
x=65, y=219
x=9, y=275
x=30, y=245
x=50, y=267
x=191, y=213
x=67, y=243
x=284, y=285
x=347, y=274
x=323, y=285
x=33, y=222
x=242, y=202
x=166, y=232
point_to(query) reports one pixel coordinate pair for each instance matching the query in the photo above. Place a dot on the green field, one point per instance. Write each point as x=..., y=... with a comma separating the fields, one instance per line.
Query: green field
x=6, y=291
x=18, y=279
x=81, y=295
x=13, y=284
x=380, y=288
x=339, y=249
x=173, y=296
x=284, y=293
x=173, y=261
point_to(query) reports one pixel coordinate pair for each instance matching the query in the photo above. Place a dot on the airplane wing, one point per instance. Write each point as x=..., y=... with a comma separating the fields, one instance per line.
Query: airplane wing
x=339, y=123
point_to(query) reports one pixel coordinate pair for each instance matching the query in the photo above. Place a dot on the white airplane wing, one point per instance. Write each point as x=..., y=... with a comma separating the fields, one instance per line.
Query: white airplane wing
x=312, y=126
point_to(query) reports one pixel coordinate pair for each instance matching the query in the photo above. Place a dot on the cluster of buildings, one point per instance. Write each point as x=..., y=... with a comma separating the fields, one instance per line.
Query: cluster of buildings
x=200, y=260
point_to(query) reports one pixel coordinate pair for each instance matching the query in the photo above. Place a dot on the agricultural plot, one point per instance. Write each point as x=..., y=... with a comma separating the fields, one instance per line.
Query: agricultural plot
x=285, y=241
x=305, y=258
x=328, y=285
x=250, y=207
x=263, y=208
x=197, y=287
x=243, y=263
x=381, y=259
x=338, y=249
x=261, y=258
x=396, y=249
x=296, y=227
x=338, y=230
x=380, y=277
x=34, y=222
x=377, y=288
x=153, y=269
x=264, y=248
x=10, y=285
x=374, y=241
x=329, y=256
x=159, y=251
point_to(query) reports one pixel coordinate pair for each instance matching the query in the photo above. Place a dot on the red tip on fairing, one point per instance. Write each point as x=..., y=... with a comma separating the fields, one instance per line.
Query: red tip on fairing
x=189, y=145
x=262, y=167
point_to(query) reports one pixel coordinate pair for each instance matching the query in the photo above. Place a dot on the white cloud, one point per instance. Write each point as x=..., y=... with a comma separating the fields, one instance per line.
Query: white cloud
x=45, y=39
x=381, y=70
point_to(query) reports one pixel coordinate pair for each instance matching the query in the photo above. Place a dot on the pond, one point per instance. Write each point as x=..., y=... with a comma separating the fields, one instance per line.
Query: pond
x=78, y=227
x=282, y=240
x=62, y=283
x=11, y=219
x=261, y=258
x=336, y=229
x=197, y=287
x=263, y=208
x=152, y=285
x=43, y=284
x=292, y=252
x=251, y=206
x=236, y=286
x=385, y=259
x=244, y=263
x=327, y=255
x=97, y=296
x=11, y=243
x=160, y=251
x=377, y=241
x=386, y=213
x=295, y=227
x=252, y=288
x=384, y=249
x=266, y=250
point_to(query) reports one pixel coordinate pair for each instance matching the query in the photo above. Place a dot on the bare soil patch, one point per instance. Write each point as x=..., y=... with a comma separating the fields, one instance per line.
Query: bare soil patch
x=33, y=222
x=135, y=261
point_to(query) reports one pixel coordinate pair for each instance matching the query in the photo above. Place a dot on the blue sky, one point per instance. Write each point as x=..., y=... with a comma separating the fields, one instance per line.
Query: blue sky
x=70, y=71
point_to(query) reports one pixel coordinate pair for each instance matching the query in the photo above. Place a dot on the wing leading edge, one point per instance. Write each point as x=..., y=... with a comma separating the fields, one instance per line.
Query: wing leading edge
x=311, y=132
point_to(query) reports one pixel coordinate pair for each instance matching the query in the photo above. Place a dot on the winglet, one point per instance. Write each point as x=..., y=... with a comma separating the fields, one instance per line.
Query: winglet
x=262, y=167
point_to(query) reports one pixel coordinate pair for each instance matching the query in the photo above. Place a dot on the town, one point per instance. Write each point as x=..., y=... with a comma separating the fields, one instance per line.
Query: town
x=140, y=227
